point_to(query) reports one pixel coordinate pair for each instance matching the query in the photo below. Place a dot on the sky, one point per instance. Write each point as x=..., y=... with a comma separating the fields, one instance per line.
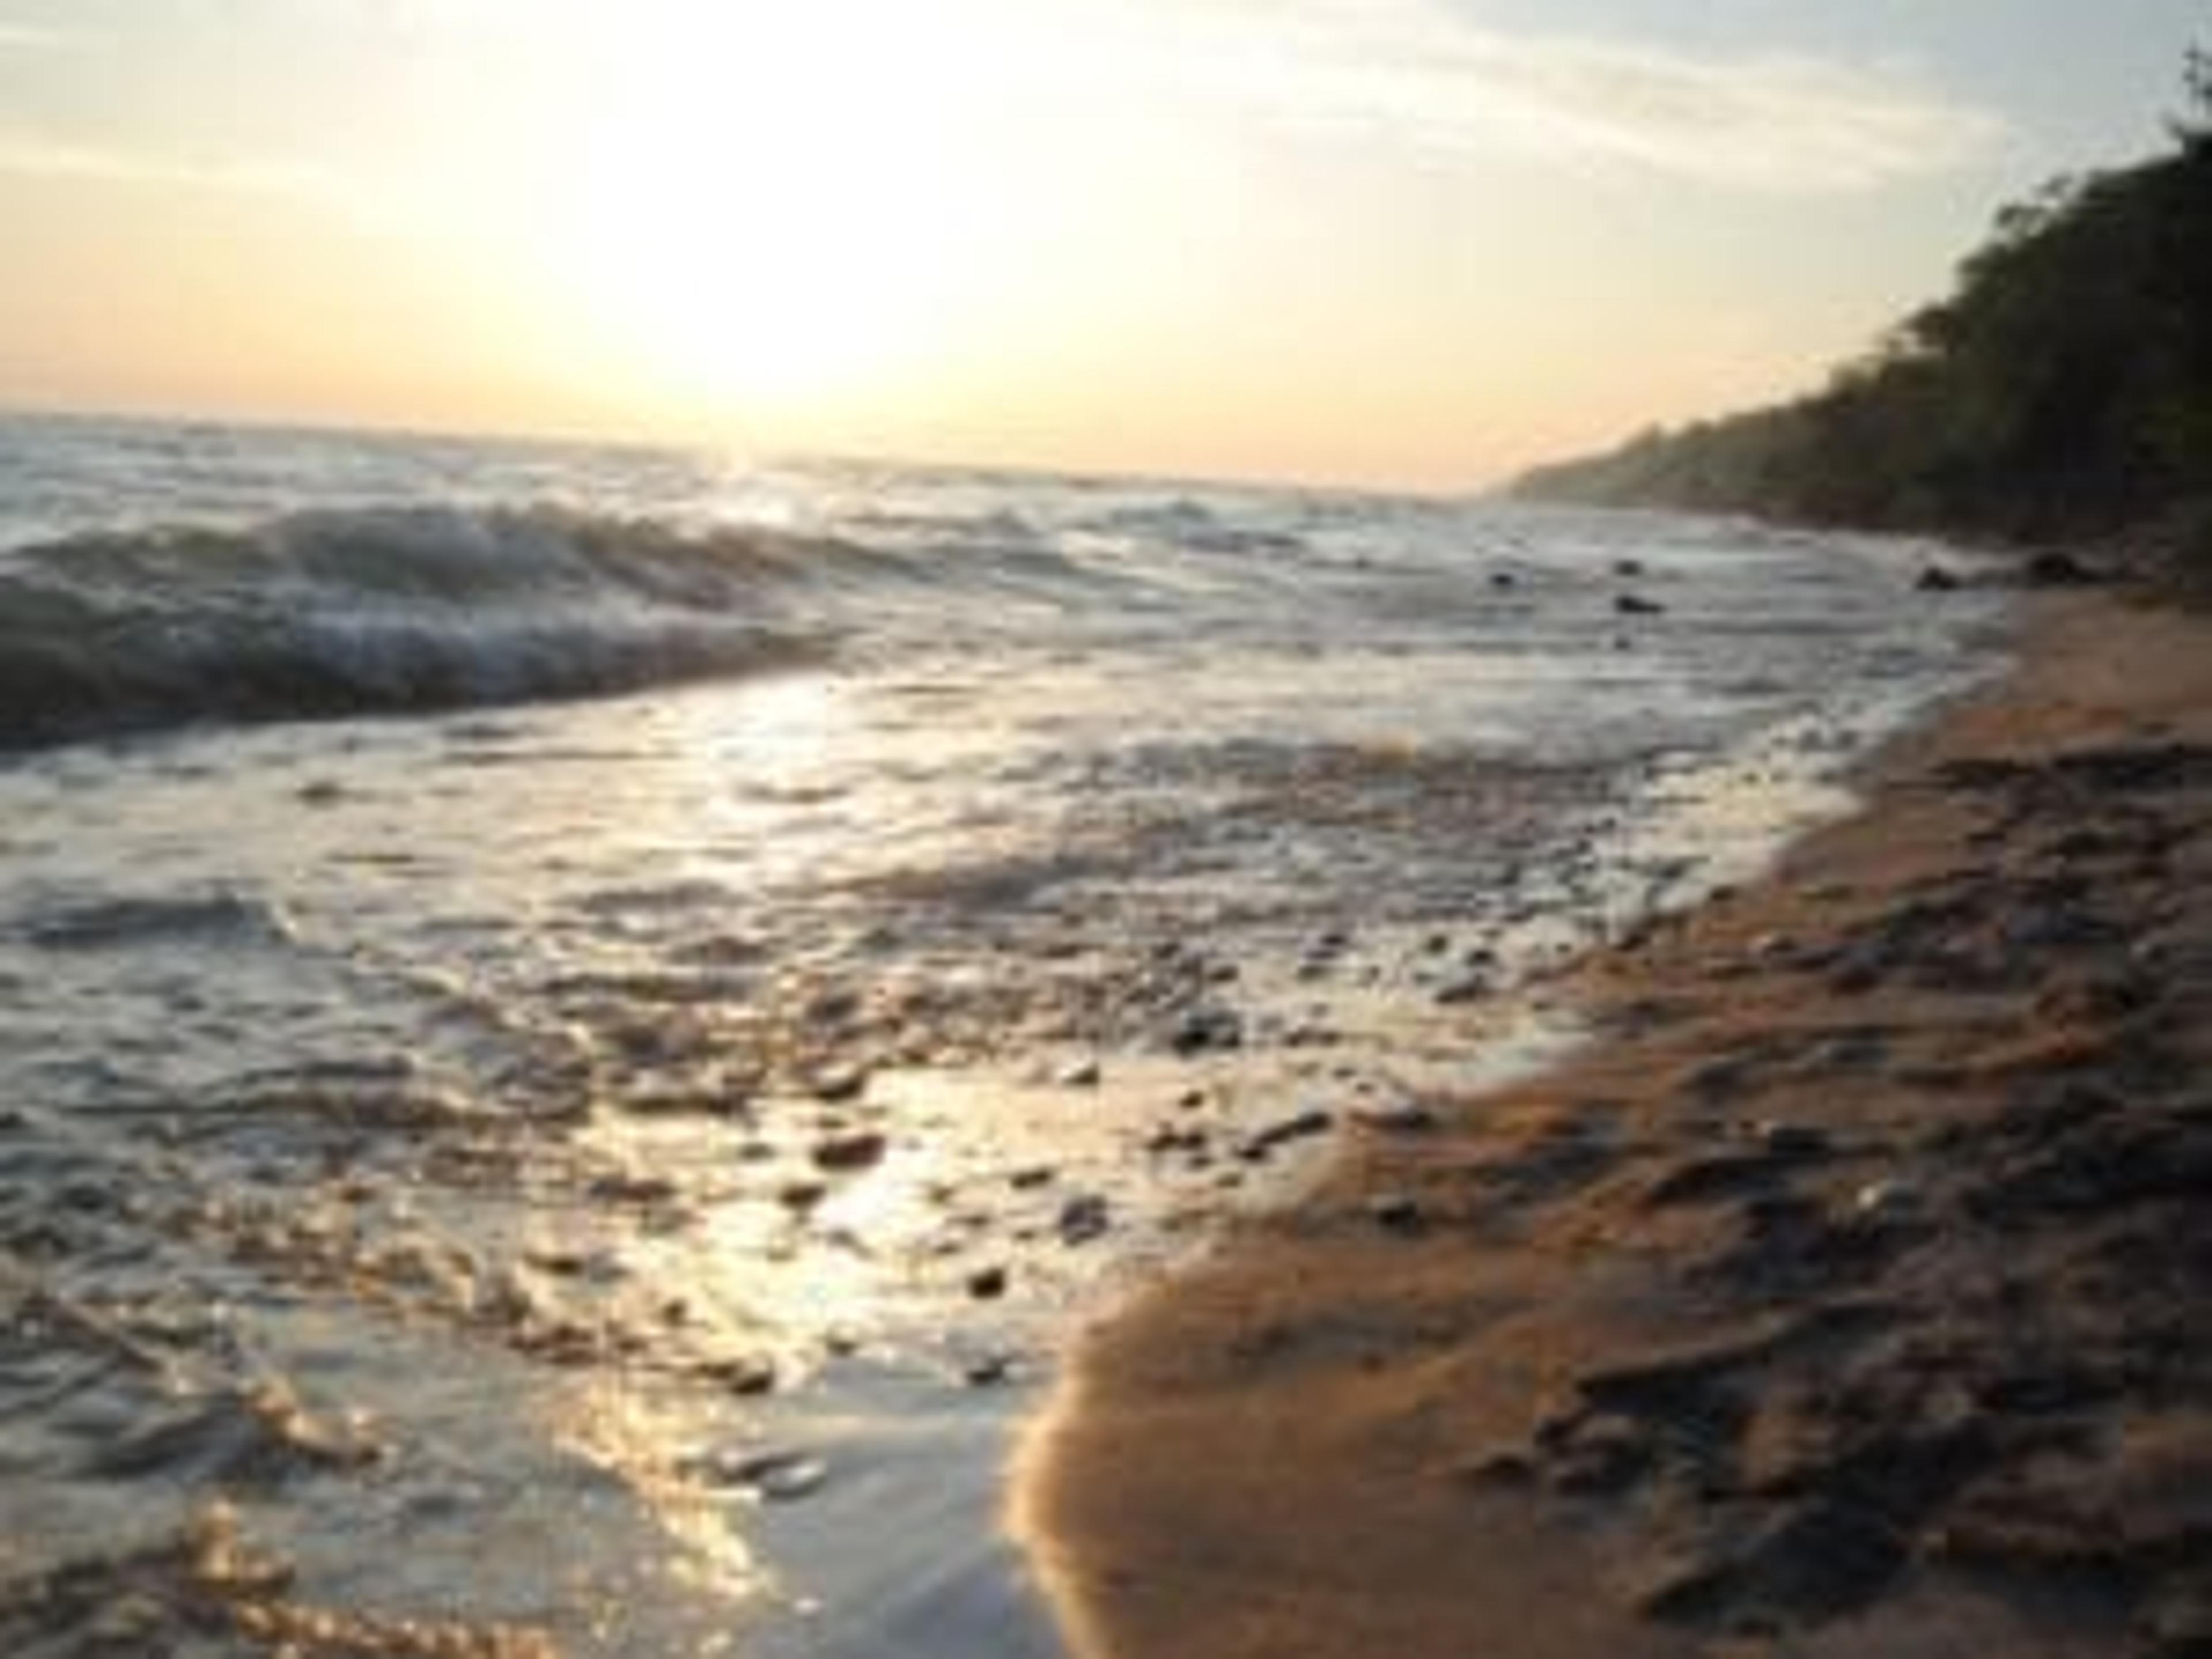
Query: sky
x=1416, y=243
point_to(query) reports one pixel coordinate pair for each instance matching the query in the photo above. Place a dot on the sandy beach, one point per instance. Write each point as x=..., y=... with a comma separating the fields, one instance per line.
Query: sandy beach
x=1845, y=1296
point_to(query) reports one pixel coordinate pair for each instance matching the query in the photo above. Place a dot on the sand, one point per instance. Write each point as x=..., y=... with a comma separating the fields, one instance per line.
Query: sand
x=1845, y=1296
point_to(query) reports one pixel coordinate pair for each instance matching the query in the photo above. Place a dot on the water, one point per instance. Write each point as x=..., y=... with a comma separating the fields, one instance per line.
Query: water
x=578, y=1025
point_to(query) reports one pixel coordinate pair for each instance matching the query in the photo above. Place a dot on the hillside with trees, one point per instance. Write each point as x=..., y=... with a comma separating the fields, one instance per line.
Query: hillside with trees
x=2063, y=389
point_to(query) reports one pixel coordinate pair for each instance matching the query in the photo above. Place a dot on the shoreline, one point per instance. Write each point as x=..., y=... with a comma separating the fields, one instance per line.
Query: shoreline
x=1838, y=1299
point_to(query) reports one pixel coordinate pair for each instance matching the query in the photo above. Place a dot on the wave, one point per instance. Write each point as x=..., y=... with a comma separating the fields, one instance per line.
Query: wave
x=358, y=612
x=219, y=916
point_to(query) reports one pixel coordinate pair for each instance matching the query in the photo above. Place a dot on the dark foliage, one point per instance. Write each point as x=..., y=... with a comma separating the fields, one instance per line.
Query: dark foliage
x=2064, y=389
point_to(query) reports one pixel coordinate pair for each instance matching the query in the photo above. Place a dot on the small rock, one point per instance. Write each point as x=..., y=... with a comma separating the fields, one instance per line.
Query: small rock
x=987, y=1284
x=1395, y=1212
x=747, y=1376
x=836, y=1083
x=801, y=1194
x=1301, y=1126
x=1083, y=1217
x=1886, y=1199
x=632, y=1189
x=2056, y=569
x=1410, y=1119
x=1211, y=1028
x=1635, y=604
x=1079, y=1074
x=1934, y=579
x=1471, y=988
x=776, y=1477
x=845, y=1153
x=1796, y=1141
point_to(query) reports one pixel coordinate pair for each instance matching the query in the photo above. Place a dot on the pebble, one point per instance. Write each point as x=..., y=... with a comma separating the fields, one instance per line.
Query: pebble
x=778, y=1477
x=836, y=1083
x=1395, y=1212
x=1209, y=1027
x=987, y=1284
x=747, y=1376
x=1795, y=1140
x=801, y=1194
x=1302, y=1127
x=860, y=1150
x=1083, y=1217
x=1886, y=1198
x=1408, y=1119
x=1081, y=1074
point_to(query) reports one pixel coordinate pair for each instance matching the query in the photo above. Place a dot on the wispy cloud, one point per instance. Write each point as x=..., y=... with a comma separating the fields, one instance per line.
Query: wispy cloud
x=35, y=156
x=1414, y=72
x=18, y=36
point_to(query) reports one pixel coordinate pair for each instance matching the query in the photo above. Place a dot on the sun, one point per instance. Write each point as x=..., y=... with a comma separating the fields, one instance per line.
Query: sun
x=782, y=210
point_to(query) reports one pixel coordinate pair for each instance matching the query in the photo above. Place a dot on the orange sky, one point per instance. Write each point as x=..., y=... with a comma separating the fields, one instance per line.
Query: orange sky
x=1396, y=242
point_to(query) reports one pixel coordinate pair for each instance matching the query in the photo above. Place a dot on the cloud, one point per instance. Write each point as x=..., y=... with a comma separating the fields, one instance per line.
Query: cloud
x=1411, y=72
x=16, y=35
x=34, y=155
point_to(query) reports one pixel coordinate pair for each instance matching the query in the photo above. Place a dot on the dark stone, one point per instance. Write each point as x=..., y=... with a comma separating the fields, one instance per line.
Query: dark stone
x=987, y=1284
x=1407, y=1119
x=1083, y=1217
x=1395, y=1212
x=1635, y=604
x=1200, y=1029
x=1304, y=1126
x=2056, y=569
x=845, y=1153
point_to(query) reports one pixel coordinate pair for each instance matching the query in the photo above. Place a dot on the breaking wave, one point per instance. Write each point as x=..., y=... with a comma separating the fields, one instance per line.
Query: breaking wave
x=358, y=612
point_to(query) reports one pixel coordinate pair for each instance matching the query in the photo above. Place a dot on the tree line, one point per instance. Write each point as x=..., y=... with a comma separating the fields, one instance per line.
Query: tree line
x=2063, y=390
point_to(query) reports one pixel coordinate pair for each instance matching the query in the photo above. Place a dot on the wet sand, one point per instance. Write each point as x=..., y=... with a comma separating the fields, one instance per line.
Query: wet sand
x=1846, y=1295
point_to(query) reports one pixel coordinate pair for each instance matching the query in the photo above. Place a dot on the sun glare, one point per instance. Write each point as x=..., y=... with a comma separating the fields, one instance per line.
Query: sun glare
x=782, y=210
